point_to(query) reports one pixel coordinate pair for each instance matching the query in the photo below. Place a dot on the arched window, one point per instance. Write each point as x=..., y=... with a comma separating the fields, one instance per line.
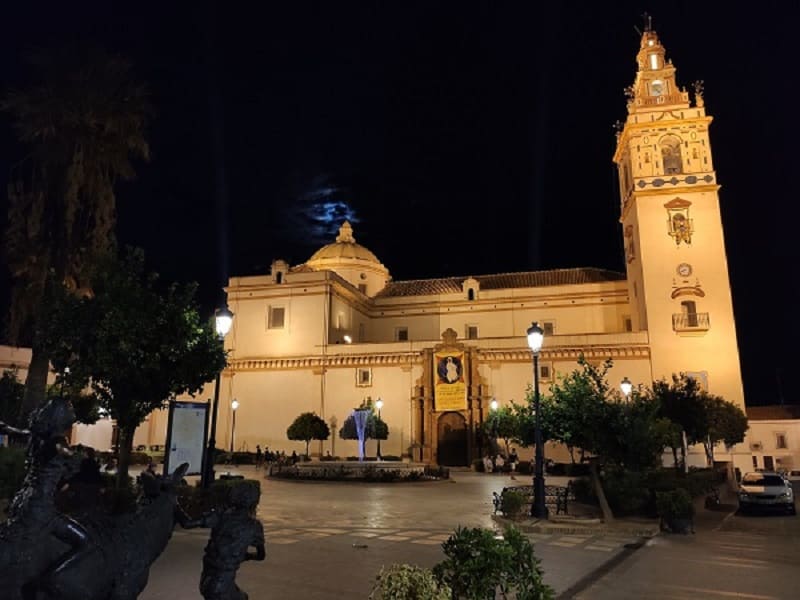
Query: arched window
x=471, y=294
x=279, y=277
x=671, y=154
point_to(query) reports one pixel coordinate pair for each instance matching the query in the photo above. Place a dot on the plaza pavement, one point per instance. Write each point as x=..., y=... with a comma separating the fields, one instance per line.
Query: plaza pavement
x=730, y=556
x=330, y=539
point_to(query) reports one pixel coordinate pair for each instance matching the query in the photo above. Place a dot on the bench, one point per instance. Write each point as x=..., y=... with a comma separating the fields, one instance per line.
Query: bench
x=556, y=497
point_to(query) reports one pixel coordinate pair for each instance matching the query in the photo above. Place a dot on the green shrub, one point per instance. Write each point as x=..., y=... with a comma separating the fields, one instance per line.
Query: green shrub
x=12, y=470
x=675, y=504
x=196, y=500
x=408, y=582
x=584, y=491
x=627, y=492
x=512, y=503
x=140, y=458
x=479, y=564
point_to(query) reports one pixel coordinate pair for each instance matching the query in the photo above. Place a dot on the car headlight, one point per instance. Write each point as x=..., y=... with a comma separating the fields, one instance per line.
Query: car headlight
x=785, y=495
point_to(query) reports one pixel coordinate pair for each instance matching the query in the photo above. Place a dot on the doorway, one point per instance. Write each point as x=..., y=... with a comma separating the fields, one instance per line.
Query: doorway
x=452, y=448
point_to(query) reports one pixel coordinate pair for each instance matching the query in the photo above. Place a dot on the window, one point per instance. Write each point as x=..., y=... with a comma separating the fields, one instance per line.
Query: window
x=471, y=294
x=340, y=321
x=401, y=334
x=277, y=316
x=279, y=277
x=755, y=462
x=362, y=287
x=361, y=335
x=548, y=327
x=769, y=464
x=627, y=323
x=472, y=332
x=363, y=377
x=545, y=372
x=671, y=154
x=654, y=61
x=780, y=440
x=689, y=310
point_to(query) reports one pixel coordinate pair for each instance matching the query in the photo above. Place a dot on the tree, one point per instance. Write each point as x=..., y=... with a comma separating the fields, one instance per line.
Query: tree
x=503, y=424
x=136, y=344
x=681, y=402
x=376, y=428
x=82, y=117
x=727, y=423
x=308, y=426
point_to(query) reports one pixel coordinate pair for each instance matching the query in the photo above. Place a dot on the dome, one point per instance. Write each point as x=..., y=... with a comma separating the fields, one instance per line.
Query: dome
x=344, y=249
x=351, y=261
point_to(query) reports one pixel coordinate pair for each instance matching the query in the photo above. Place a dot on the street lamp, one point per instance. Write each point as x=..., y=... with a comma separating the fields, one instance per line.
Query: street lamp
x=234, y=406
x=493, y=404
x=538, y=509
x=626, y=386
x=223, y=319
x=379, y=406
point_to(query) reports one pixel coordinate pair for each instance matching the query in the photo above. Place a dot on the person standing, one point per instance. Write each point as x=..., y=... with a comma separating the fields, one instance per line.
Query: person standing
x=513, y=459
x=259, y=457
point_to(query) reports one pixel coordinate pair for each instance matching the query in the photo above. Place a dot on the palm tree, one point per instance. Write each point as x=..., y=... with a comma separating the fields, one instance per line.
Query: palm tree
x=82, y=118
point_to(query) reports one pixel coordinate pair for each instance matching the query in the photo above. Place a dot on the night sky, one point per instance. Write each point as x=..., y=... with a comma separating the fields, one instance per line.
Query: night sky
x=461, y=138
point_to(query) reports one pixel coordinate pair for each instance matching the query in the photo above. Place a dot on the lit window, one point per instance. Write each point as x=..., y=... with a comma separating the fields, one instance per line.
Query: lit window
x=401, y=334
x=277, y=316
x=363, y=377
x=654, y=61
x=472, y=332
x=780, y=440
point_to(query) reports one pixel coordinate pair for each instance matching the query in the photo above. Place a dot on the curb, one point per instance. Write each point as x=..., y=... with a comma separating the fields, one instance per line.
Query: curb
x=587, y=580
x=592, y=527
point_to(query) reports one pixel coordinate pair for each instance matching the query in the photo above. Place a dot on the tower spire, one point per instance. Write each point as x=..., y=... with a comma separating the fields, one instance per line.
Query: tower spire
x=655, y=87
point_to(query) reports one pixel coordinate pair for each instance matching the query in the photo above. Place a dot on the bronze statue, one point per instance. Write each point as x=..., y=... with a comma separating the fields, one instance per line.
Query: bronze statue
x=36, y=535
x=233, y=532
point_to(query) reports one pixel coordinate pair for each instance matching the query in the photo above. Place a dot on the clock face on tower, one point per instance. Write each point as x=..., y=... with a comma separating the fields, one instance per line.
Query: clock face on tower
x=684, y=269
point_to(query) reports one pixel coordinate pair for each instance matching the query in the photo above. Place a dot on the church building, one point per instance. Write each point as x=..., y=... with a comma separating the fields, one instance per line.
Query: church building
x=327, y=334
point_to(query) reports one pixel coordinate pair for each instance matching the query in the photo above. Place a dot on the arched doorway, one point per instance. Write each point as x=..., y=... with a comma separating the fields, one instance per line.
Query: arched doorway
x=452, y=435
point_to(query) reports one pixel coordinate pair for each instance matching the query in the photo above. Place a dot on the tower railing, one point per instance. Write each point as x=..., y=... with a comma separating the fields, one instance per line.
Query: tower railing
x=697, y=321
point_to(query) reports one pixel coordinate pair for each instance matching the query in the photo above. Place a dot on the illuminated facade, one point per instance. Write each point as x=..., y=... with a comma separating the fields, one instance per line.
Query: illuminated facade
x=324, y=335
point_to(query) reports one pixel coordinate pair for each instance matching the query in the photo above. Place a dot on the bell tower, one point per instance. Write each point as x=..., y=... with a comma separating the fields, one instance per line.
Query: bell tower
x=674, y=247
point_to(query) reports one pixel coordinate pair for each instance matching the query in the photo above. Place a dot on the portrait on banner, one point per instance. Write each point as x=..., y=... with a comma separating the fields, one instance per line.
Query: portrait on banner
x=450, y=389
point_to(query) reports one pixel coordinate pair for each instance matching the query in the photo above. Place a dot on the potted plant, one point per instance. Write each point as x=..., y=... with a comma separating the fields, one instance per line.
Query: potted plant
x=676, y=511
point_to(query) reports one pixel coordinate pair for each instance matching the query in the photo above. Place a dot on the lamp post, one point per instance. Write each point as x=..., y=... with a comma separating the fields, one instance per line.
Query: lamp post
x=493, y=404
x=223, y=319
x=538, y=509
x=234, y=406
x=379, y=406
x=626, y=386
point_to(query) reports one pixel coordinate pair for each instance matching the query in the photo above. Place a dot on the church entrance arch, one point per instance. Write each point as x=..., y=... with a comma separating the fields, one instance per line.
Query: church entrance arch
x=452, y=450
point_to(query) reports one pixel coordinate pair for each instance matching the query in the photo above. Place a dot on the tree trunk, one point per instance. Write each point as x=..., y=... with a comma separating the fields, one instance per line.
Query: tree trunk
x=35, y=383
x=125, y=445
x=608, y=516
x=307, y=443
x=675, y=458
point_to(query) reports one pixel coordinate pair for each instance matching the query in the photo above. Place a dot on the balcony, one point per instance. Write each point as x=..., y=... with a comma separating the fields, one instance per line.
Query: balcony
x=690, y=322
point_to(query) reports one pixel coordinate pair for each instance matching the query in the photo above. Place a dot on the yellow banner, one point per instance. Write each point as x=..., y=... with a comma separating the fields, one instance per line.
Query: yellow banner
x=450, y=388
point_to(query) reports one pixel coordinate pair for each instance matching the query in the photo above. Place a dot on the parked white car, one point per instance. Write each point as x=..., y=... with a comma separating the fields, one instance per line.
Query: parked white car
x=793, y=475
x=766, y=490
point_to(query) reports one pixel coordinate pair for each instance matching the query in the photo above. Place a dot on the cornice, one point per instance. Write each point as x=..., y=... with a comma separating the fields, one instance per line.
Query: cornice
x=593, y=352
x=408, y=359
